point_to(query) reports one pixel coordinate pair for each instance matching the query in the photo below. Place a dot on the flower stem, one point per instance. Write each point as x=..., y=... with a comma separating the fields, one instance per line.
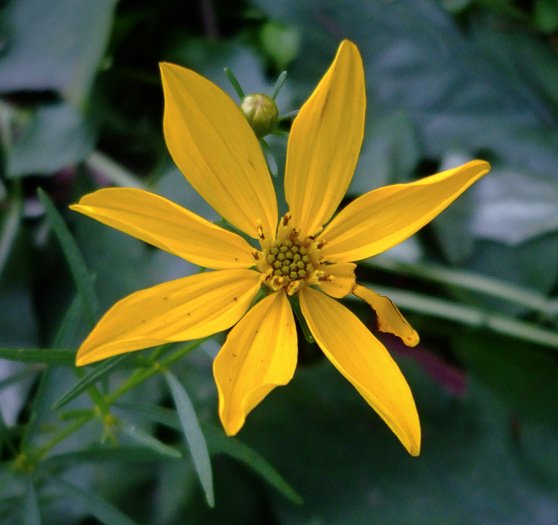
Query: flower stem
x=141, y=375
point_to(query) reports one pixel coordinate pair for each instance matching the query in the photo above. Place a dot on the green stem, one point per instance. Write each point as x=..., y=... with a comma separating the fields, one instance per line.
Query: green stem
x=137, y=377
x=67, y=432
x=157, y=367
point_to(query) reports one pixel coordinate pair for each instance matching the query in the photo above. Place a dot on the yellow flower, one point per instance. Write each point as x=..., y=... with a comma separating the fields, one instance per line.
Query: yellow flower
x=297, y=258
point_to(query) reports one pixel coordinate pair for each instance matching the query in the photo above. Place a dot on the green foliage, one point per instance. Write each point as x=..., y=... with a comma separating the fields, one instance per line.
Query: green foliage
x=132, y=439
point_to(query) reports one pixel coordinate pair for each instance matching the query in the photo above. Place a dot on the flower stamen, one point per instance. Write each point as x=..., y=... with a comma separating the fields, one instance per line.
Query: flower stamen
x=291, y=263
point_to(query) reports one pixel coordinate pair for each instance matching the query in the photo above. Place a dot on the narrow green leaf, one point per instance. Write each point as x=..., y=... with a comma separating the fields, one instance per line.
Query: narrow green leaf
x=279, y=84
x=235, y=83
x=143, y=438
x=95, y=504
x=31, y=514
x=194, y=436
x=269, y=157
x=153, y=413
x=79, y=413
x=218, y=443
x=221, y=443
x=81, y=275
x=288, y=116
x=93, y=376
x=102, y=455
x=39, y=406
x=67, y=328
x=45, y=356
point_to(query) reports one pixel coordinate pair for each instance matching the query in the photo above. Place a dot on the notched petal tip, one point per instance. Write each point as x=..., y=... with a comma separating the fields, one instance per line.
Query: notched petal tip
x=390, y=319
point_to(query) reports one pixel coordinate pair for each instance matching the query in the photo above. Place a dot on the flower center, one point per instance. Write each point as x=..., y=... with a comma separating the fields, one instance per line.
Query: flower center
x=291, y=263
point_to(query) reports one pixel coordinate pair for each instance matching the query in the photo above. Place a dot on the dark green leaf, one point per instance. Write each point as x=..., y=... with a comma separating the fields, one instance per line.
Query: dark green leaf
x=109, y=455
x=31, y=515
x=95, y=504
x=100, y=371
x=75, y=260
x=194, y=436
x=235, y=83
x=219, y=443
x=67, y=328
x=149, y=441
x=351, y=469
x=46, y=356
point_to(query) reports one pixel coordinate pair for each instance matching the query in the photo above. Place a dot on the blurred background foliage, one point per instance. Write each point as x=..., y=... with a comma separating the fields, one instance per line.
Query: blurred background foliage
x=81, y=107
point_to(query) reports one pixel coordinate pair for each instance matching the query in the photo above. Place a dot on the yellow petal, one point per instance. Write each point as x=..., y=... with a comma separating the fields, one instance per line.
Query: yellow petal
x=364, y=361
x=382, y=218
x=181, y=310
x=216, y=150
x=168, y=226
x=342, y=279
x=260, y=353
x=390, y=319
x=325, y=141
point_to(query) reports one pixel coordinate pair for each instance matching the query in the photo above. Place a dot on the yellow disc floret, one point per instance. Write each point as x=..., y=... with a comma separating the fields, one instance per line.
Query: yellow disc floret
x=291, y=262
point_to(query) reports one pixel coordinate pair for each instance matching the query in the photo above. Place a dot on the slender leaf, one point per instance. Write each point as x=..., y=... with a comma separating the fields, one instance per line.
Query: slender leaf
x=219, y=443
x=288, y=116
x=156, y=414
x=279, y=84
x=95, y=504
x=92, y=377
x=103, y=455
x=269, y=157
x=39, y=406
x=71, y=415
x=194, y=436
x=45, y=356
x=235, y=83
x=81, y=275
x=31, y=514
x=149, y=441
x=66, y=330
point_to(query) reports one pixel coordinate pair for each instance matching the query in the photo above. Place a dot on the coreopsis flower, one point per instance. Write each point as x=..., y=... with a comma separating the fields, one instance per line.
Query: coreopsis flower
x=306, y=256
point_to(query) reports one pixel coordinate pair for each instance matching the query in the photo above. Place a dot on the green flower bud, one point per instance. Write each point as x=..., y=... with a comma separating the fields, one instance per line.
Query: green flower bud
x=261, y=112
